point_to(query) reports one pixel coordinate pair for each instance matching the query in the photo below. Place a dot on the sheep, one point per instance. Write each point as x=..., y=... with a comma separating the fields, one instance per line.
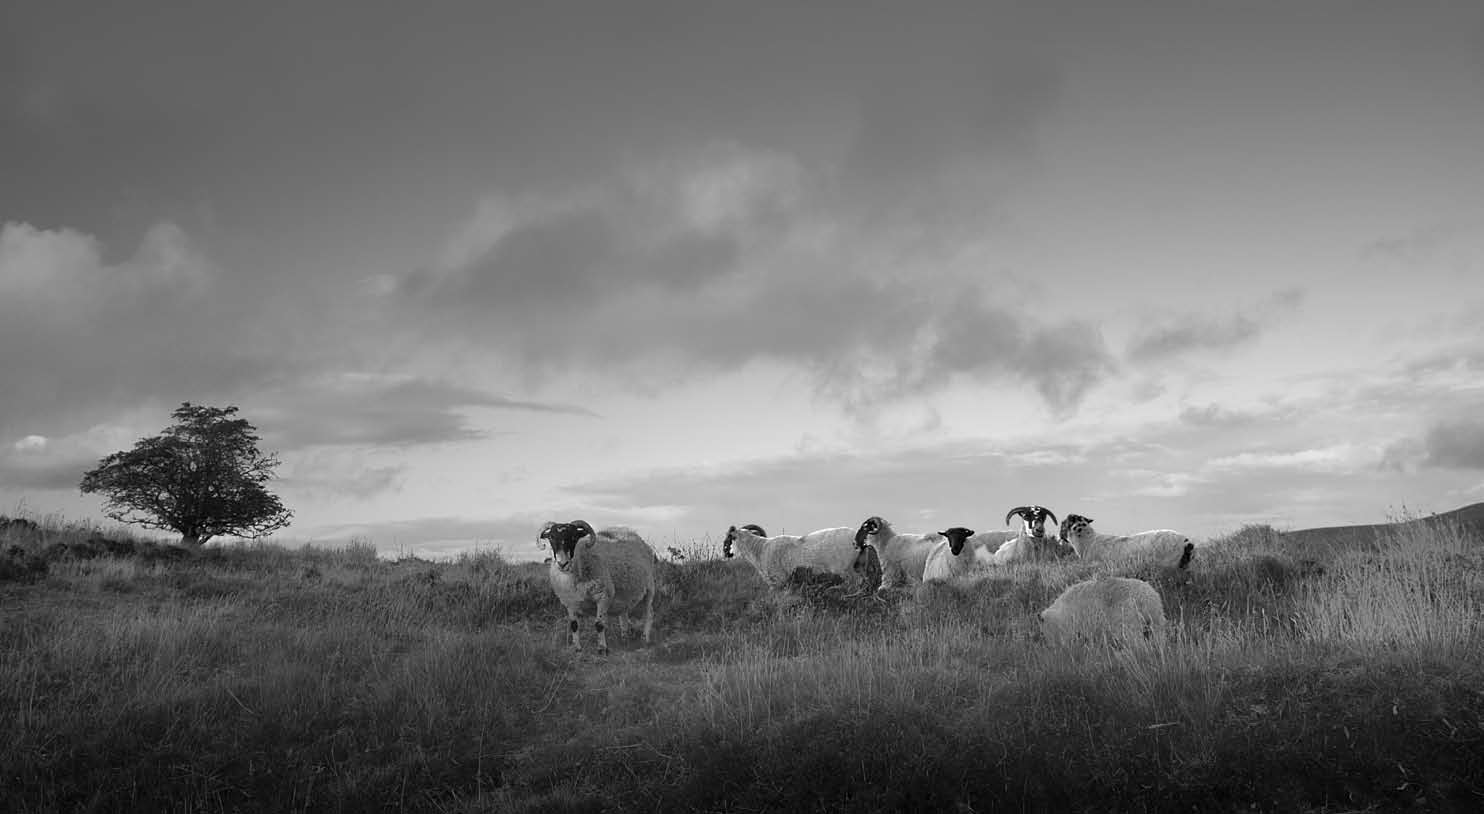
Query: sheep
x=962, y=551
x=1163, y=544
x=1105, y=607
x=831, y=550
x=1031, y=544
x=611, y=571
x=903, y=556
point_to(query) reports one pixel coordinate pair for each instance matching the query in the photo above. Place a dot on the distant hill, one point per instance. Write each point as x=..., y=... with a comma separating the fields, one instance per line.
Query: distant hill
x=1468, y=518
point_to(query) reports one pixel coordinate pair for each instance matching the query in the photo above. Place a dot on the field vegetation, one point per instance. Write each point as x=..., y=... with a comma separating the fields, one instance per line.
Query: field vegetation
x=137, y=676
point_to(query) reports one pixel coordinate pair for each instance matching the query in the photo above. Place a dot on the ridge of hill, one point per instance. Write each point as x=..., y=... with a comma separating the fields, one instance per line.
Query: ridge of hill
x=1467, y=518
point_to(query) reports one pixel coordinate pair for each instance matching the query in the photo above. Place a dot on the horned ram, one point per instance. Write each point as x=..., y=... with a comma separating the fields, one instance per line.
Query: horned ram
x=600, y=572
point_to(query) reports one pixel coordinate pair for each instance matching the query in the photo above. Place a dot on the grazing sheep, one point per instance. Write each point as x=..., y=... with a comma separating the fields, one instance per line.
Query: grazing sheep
x=832, y=550
x=1163, y=545
x=1111, y=607
x=1031, y=544
x=611, y=571
x=903, y=556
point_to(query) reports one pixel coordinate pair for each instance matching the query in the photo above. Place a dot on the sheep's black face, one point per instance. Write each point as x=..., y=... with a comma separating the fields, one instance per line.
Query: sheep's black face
x=870, y=527
x=726, y=545
x=957, y=536
x=563, y=538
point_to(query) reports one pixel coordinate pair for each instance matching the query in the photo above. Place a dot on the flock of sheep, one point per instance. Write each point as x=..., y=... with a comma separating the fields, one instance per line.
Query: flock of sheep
x=613, y=571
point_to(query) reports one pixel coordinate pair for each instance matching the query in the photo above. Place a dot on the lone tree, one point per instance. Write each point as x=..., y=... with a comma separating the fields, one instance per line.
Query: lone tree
x=202, y=477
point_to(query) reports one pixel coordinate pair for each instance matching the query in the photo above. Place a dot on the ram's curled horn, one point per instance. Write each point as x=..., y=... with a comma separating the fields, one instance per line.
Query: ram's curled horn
x=871, y=525
x=755, y=529
x=1023, y=511
x=1047, y=512
x=586, y=529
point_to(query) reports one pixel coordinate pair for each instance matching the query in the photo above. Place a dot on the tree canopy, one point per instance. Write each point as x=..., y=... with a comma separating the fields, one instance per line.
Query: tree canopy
x=202, y=477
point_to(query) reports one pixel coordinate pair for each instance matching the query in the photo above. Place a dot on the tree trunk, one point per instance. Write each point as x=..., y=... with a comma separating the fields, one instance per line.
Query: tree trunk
x=190, y=539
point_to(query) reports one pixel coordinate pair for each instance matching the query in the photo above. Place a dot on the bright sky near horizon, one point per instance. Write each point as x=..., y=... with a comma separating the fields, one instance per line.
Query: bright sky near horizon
x=472, y=266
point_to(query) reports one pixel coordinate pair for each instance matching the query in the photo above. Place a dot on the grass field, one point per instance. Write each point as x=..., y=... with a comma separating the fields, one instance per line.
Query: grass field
x=134, y=677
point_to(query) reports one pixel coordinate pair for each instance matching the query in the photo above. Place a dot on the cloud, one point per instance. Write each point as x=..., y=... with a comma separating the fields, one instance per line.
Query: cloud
x=1169, y=336
x=328, y=473
x=380, y=411
x=1335, y=458
x=734, y=263
x=1451, y=245
x=38, y=463
x=1175, y=336
x=1455, y=444
x=1215, y=415
x=81, y=337
x=25, y=473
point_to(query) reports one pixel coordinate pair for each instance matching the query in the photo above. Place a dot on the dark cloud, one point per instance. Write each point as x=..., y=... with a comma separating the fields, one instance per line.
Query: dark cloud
x=22, y=472
x=866, y=337
x=374, y=412
x=1183, y=334
x=1171, y=336
x=583, y=256
x=1457, y=444
x=80, y=336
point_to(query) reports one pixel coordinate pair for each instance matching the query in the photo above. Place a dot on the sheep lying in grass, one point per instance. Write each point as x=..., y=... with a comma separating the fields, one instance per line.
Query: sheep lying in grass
x=611, y=571
x=1106, y=607
x=903, y=556
x=1163, y=545
x=961, y=551
x=832, y=550
x=1031, y=544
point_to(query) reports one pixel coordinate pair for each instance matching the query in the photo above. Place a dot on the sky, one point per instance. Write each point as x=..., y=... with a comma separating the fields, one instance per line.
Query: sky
x=686, y=265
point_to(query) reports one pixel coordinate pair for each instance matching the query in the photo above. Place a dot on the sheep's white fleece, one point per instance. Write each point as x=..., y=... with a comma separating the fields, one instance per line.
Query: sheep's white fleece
x=618, y=567
x=1116, y=607
x=775, y=558
x=1162, y=544
x=903, y=556
x=978, y=552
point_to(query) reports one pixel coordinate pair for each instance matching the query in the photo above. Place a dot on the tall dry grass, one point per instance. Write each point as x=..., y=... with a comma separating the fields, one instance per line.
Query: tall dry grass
x=264, y=677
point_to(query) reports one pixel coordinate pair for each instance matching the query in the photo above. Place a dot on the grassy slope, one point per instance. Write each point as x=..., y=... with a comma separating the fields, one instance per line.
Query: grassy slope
x=264, y=678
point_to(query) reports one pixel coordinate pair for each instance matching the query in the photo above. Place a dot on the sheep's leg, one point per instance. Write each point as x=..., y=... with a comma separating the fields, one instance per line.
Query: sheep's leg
x=572, y=636
x=892, y=575
x=648, y=615
x=602, y=635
